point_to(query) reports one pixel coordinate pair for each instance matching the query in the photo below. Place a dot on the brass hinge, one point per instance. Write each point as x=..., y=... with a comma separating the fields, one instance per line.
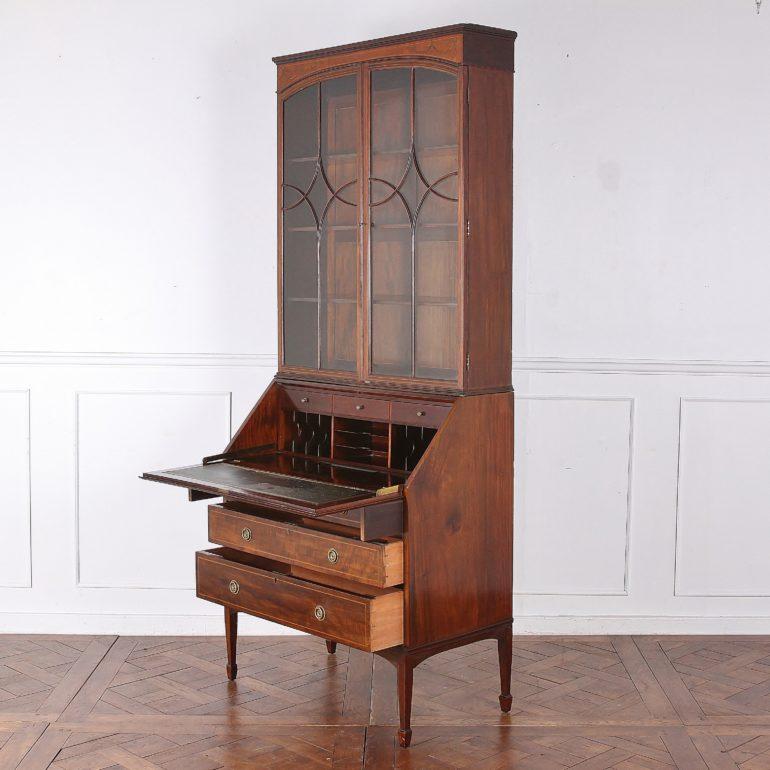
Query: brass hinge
x=467, y=228
x=468, y=361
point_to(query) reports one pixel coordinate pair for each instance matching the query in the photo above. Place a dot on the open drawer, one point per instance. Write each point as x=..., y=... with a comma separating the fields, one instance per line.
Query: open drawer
x=369, y=619
x=284, y=538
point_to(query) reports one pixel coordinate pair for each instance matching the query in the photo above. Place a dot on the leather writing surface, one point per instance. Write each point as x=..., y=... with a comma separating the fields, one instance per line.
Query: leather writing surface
x=231, y=478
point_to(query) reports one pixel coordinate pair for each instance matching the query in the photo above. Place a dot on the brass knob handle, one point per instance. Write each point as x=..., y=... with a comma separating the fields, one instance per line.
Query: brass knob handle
x=234, y=587
x=332, y=555
x=320, y=613
x=359, y=407
x=421, y=413
x=304, y=400
x=246, y=533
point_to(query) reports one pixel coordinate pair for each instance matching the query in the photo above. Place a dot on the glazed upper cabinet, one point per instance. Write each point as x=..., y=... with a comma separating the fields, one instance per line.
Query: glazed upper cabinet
x=389, y=273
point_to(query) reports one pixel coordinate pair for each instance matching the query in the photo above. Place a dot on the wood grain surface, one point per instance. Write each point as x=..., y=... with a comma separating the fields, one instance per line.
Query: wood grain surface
x=633, y=703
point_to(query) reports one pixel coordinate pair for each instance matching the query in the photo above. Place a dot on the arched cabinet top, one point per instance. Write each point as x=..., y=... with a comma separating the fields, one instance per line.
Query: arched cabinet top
x=469, y=44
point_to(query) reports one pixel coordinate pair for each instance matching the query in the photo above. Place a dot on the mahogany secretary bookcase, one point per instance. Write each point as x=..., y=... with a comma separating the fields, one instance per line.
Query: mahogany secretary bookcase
x=368, y=496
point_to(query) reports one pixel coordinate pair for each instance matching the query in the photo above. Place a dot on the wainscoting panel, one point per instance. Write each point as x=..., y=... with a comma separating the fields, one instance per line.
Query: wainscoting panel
x=573, y=455
x=626, y=521
x=15, y=564
x=134, y=533
x=723, y=512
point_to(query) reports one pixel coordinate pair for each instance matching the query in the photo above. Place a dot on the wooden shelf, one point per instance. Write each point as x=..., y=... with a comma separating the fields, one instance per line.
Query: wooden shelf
x=313, y=229
x=430, y=149
x=327, y=300
x=327, y=156
x=408, y=226
x=406, y=300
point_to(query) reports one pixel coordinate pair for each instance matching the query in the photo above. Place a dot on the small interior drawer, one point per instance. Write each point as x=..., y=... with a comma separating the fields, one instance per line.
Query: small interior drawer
x=372, y=522
x=361, y=408
x=369, y=620
x=283, y=539
x=418, y=413
x=309, y=399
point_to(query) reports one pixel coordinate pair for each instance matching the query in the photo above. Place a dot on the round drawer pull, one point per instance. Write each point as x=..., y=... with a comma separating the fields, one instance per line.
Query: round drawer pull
x=234, y=587
x=332, y=555
x=320, y=613
x=246, y=533
x=304, y=400
x=421, y=413
x=359, y=407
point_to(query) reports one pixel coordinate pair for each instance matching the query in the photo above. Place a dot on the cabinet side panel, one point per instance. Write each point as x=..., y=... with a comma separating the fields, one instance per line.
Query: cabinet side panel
x=261, y=426
x=459, y=528
x=489, y=245
x=488, y=50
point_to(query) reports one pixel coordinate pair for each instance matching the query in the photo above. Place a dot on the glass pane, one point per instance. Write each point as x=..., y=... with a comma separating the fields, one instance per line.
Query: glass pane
x=300, y=142
x=435, y=122
x=339, y=256
x=339, y=225
x=300, y=332
x=320, y=225
x=436, y=290
x=391, y=97
x=391, y=288
x=414, y=223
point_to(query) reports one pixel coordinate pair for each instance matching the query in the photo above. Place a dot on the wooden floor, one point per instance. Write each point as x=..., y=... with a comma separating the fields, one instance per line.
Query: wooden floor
x=633, y=703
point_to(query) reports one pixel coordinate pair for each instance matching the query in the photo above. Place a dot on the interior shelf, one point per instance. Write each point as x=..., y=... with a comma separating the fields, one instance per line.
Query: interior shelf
x=408, y=226
x=328, y=155
x=407, y=300
x=327, y=300
x=435, y=148
x=313, y=228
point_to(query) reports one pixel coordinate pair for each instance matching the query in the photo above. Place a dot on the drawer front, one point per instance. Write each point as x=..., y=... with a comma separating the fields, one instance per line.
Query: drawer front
x=361, y=408
x=376, y=564
x=373, y=522
x=368, y=623
x=416, y=413
x=309, y=400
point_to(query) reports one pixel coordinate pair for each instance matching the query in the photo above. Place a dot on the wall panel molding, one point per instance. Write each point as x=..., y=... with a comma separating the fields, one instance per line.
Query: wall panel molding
x=659, y=366
x=643, y=558
x=79, y=396
x=545, y=364
x=67, y=358
x=629, y=493
x=26, y=485
x=678, y=540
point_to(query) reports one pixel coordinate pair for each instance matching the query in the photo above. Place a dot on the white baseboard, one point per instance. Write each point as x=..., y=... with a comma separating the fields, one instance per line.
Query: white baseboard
x=213, y=625
x=639, y=624
x=133, y=625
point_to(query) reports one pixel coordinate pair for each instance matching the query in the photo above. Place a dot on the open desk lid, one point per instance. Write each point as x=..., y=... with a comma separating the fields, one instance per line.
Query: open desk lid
x=275, y=490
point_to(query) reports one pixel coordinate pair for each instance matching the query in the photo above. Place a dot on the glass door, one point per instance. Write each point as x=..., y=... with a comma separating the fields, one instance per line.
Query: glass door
x=413, y=223
x=320, y=226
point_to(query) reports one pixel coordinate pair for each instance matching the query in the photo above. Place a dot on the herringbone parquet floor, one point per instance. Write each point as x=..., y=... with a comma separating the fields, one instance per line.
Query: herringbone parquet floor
x=633, y=703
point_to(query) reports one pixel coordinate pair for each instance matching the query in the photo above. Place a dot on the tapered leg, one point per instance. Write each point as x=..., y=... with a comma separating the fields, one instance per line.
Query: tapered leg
x=505, y=656
x=331, y=647
x=231, y=634
x=405, y=670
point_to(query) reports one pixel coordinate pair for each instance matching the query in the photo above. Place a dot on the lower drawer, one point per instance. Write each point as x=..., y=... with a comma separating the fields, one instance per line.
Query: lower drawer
x=370, y=620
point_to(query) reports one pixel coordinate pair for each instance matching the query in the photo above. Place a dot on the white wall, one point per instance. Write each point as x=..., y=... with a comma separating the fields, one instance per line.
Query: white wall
x=137, y=298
